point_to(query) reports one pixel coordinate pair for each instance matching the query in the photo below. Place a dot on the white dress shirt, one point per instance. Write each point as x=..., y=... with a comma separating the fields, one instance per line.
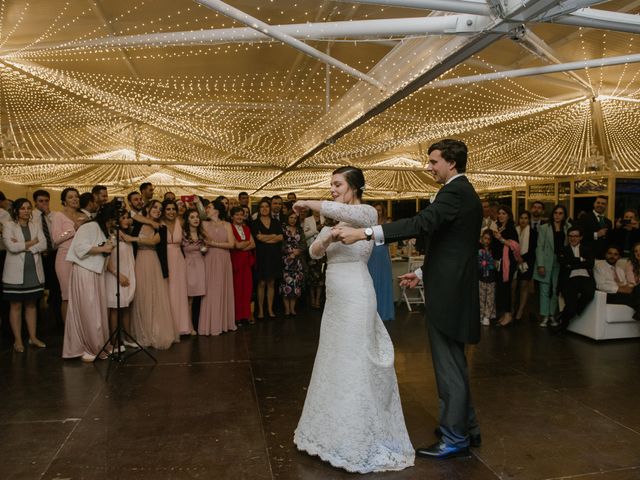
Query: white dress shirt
x=605, y=275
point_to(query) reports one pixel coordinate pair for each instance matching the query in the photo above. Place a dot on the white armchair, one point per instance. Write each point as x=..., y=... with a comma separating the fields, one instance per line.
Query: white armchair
x=602, y=321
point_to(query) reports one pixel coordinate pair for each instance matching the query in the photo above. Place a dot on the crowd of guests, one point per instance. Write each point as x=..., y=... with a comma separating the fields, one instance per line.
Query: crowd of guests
x=556, y=256
x=186, y=266
x=191, y=266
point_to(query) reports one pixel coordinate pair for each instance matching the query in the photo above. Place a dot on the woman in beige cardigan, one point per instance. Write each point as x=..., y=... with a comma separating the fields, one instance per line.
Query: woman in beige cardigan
x=23, y=276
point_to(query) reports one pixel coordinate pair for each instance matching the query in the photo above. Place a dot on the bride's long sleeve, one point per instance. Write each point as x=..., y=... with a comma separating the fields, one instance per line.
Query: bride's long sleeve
x=355, y=215
x=320, y=244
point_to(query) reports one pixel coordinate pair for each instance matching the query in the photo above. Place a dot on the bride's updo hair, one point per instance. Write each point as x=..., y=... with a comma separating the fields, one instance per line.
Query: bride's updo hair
x=354, y=177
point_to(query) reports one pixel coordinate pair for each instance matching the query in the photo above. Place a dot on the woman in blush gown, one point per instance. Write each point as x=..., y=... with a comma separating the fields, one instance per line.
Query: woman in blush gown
x=126, y=279
x=63, y=227
x=242, y=260
x=178, y=296
x=194, y=248
x=151, y=322
x=352, y=416
x=217, y=314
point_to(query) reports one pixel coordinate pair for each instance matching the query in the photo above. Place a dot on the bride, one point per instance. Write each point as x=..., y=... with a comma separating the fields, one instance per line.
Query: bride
x=352, y=416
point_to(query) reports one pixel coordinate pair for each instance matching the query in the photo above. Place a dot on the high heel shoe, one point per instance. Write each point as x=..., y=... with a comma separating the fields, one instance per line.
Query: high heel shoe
x=18, y=348
x=37, y=343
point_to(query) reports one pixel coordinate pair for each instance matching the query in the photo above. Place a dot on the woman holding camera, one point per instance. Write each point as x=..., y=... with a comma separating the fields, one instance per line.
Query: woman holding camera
x=23, y=275
x=87, y=327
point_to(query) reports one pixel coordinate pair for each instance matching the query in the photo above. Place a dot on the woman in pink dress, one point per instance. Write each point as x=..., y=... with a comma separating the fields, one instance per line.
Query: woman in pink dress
x=217, y=312
x=242, y=260
x=63, y=227
x=87, y=327
x=151, y=322
x=178, y=297
x=194, y=248
x=127, y=280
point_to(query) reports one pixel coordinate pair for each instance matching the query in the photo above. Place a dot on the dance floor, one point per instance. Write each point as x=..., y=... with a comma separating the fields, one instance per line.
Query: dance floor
x=226, y=407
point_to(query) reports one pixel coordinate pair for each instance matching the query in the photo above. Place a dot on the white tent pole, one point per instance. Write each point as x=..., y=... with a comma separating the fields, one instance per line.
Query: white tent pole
x=457, y=6
x=526, y=72
x=274, y=32
x=593, y=18
x=356, y=29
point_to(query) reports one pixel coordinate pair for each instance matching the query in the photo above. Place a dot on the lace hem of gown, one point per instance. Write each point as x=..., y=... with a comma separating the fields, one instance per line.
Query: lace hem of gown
x=383, y=460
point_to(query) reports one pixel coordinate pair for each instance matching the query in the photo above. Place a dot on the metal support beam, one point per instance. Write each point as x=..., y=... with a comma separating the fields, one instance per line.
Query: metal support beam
x=456, y=6
x=534, y=44
x=355, y=29
x=527, y=72
x=274, y=32
x=592, y=18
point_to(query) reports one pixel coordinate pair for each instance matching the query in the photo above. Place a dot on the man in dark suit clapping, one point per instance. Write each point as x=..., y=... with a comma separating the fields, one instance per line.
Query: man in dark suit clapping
x=451, y=224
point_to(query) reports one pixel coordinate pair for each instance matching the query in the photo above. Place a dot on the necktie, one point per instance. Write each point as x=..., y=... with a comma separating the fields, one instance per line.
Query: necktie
x=615, y=275
x=600, y=220
x=45, y=230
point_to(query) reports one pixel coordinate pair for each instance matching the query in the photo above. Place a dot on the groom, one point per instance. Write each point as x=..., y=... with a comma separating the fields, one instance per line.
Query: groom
x=450, y=224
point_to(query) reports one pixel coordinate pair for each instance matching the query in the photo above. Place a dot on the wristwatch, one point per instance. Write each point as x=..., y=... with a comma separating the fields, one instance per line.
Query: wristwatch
x=368, y=232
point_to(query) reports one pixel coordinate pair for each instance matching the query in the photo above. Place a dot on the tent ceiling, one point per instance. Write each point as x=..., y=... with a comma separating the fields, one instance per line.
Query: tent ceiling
x=83, y=103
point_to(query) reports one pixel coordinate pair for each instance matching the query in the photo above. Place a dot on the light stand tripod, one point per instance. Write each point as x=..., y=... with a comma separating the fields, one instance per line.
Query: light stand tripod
x=116, y=341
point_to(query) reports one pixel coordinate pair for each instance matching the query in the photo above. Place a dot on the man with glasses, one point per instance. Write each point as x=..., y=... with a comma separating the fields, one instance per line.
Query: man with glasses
x=577, y=284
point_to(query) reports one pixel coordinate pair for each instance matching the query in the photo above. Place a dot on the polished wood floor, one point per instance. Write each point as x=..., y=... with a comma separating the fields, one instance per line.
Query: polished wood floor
x=225, y=407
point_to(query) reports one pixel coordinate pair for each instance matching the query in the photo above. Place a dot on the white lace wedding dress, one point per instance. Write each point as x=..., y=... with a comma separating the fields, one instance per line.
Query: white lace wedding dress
x=352, y=416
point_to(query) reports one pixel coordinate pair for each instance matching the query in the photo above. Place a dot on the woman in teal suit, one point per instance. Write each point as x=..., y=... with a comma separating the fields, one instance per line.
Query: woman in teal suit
x=552, y=237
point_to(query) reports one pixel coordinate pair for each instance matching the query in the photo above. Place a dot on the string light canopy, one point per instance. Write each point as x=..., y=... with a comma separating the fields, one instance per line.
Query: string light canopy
x=215, y=97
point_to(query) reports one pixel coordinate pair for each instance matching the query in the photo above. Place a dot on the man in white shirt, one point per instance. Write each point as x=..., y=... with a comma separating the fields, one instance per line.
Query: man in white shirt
x=487, y=221
x=612, y=280
x=43, y=215
x=146, y=190
x=88, y=205
x=100, y=195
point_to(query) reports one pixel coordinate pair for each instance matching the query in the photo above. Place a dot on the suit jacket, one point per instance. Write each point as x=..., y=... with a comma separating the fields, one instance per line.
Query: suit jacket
x=569, y=262
x=589, y=225
x=545, y=251
x=450, y=270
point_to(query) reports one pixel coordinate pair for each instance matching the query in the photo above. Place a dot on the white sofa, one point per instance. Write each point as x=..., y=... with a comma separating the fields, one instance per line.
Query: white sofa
x=603, y=322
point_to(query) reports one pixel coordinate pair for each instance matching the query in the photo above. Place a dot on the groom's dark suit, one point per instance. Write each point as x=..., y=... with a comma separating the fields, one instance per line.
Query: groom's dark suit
x=450, y=274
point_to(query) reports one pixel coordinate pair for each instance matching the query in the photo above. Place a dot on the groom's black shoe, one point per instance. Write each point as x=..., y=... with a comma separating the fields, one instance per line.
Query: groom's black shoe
x=442, y=450
x=475, y=440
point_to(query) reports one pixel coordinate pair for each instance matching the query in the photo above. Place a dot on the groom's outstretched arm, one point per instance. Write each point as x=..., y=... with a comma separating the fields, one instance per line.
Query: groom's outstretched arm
x=428, y=220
